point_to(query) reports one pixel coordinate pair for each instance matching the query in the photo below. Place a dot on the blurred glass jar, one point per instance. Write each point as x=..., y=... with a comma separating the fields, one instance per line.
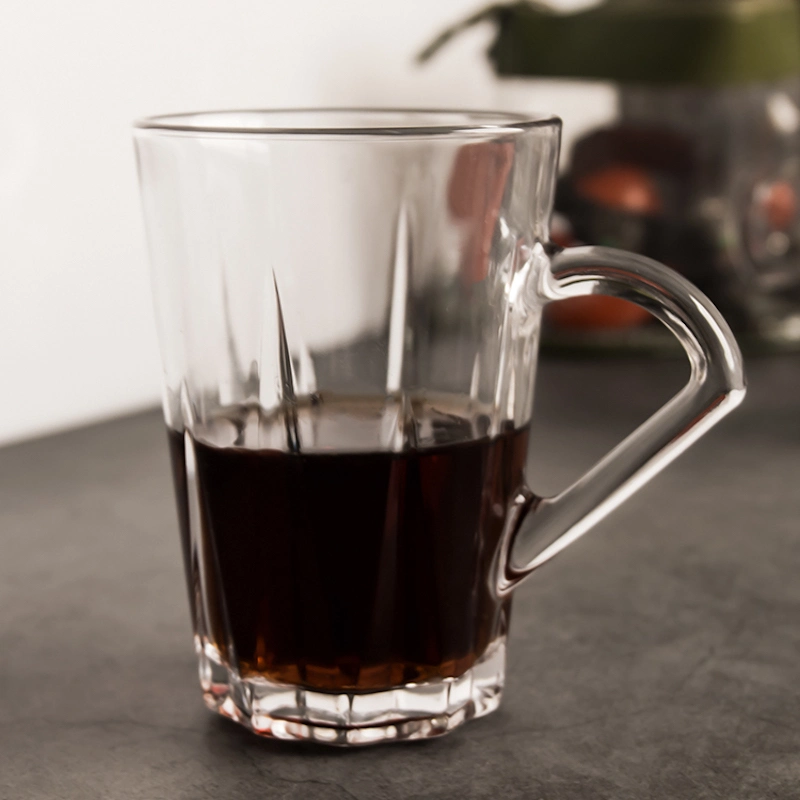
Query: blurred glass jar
x=684, y=147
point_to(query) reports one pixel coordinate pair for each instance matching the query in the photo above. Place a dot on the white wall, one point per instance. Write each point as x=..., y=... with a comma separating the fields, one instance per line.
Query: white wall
x=77, y=339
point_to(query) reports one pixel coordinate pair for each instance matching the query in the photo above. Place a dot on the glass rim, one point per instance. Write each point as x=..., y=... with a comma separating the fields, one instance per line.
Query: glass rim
x=388, y=122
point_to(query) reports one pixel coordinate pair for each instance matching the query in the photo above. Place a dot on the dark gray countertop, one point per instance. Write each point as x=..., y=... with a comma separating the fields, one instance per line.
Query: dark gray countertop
x=659, y=657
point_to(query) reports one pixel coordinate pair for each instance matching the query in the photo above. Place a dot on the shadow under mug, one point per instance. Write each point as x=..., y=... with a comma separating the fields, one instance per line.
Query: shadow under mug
x=349, y=305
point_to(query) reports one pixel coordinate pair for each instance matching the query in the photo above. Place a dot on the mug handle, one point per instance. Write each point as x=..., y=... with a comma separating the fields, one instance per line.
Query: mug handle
x=538, y=528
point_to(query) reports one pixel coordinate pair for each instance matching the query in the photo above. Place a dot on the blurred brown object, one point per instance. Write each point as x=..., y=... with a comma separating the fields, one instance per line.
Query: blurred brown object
x=625, y=187
x=650, y=147
x=595, y=312
x=591, y=312
x=474, y=196
x=780, y=205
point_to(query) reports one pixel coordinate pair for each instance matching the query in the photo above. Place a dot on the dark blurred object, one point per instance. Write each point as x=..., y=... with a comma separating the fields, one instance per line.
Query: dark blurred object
x=701, y=167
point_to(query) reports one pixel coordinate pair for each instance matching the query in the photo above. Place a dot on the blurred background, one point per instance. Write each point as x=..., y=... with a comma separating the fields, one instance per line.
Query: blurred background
x=681, y=141
x=77, y=338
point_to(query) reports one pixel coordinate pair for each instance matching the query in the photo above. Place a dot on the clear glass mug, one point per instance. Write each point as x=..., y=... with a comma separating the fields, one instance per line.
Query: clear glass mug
x=349, y=305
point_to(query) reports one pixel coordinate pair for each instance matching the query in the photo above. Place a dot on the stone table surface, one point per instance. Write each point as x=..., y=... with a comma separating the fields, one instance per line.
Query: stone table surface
x=659, y=657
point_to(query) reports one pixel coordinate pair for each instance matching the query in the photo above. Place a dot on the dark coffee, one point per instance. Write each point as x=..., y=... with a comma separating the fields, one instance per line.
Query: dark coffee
x=354, y=570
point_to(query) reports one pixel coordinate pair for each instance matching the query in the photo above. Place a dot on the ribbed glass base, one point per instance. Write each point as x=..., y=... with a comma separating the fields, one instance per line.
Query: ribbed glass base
x=413, y=711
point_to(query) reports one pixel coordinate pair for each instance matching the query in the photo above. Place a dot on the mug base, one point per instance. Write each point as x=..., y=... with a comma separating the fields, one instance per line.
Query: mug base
x=406, y=713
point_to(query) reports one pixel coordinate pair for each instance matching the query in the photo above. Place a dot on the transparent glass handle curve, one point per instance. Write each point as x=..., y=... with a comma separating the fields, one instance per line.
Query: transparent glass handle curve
x=538, y=528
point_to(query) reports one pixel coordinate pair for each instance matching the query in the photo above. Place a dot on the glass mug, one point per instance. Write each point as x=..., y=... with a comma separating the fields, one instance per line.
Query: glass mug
x=349, y=305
